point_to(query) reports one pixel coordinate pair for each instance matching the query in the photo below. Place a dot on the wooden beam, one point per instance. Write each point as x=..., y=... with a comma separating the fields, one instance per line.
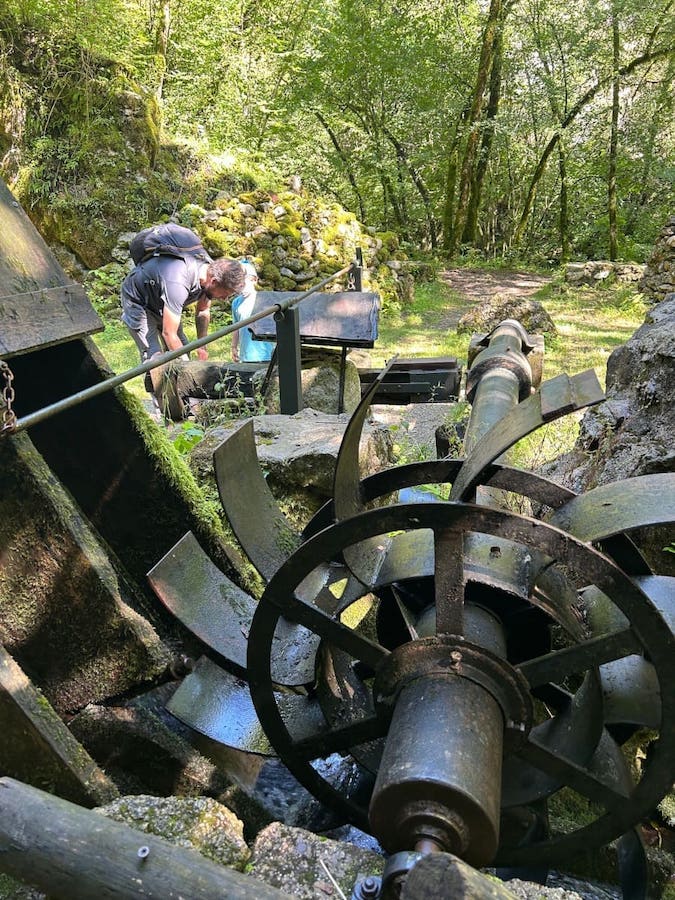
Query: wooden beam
x=67, y=851
x=37, y=746
x=35, y=292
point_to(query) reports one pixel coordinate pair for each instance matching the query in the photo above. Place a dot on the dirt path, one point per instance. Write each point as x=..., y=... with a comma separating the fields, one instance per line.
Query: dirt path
x=475, y=285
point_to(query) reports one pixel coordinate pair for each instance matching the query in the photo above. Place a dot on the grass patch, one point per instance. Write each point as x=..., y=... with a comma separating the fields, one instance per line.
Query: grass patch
x=591, y=323
x=424, y=328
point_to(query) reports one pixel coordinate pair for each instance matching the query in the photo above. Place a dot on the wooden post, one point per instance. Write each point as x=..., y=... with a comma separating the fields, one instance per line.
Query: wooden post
x=440, y=875
x=70, y=852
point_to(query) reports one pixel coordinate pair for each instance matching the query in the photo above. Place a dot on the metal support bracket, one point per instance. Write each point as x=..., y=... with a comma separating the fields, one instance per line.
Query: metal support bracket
x=290, y=366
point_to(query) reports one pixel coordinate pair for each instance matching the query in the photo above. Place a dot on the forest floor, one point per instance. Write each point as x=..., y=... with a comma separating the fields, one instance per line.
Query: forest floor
x=475, y=285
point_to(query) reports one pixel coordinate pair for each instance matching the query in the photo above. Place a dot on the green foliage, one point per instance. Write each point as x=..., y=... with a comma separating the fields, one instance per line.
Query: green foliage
x=189, y=436
x=103, y=288
x=112, y=117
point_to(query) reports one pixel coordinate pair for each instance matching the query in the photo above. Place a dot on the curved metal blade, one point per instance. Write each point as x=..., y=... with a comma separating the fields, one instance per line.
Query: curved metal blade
x=204, y=599
x=631, y=694
x=620, y=506
x=631, y=691
x=260, y=526
x=491, y=561
x=219, y=613
x=555, y=398
x=496, y=475
x=364, y=558
x=573, y=732
x=218, y=705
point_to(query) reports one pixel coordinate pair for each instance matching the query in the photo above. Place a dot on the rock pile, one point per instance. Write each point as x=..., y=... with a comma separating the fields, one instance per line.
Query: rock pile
x=595, y=272
x=659, y=276
x=295, y=240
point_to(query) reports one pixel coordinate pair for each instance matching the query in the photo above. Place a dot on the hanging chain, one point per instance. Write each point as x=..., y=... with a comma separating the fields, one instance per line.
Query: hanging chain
x=7, y=415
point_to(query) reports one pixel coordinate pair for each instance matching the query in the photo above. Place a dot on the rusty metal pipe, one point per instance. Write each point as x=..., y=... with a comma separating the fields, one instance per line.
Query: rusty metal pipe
x=499, y=377
x=439, y=781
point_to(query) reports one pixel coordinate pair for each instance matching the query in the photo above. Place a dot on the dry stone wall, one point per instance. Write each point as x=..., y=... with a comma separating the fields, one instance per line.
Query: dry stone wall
x=659, y=276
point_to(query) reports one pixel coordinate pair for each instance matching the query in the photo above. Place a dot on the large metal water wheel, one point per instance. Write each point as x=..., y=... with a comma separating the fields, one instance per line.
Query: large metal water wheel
x=441, y=673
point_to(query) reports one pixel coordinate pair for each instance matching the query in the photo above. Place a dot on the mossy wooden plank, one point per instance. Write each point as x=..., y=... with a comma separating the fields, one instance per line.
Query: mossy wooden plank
x=28, y=274
x=42, y=318
x=68, y=613
x=35, y=745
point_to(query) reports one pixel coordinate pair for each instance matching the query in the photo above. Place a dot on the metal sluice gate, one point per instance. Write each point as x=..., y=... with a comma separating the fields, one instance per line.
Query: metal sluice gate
x=442, y=673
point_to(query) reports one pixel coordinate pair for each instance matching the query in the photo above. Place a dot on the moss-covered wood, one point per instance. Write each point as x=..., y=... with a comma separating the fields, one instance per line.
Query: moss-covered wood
x=36, y=747
x=66, y=612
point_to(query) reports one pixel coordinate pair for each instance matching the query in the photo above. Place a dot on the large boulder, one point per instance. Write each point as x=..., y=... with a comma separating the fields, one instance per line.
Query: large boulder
x=320, y=378
x=198, y=823
x=305, y=865
x=298, y=455
x=631, y=433
x=488, y=314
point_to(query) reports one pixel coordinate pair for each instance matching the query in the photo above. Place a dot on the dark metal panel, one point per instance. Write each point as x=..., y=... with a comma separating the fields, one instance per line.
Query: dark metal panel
x=347, y=318
x=288, y=358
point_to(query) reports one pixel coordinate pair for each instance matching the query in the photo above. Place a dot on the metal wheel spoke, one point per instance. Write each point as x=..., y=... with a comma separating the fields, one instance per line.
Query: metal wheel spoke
x=335, y=632
x=340, y=739
x=573, y=775
x=449, y=581
x=555, y=667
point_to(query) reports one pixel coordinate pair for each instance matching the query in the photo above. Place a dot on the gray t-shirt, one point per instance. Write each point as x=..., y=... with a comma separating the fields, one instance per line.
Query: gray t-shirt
x=164, y=281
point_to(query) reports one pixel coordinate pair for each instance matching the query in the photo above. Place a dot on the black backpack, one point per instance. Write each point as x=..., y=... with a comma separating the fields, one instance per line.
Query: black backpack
x=167, y=240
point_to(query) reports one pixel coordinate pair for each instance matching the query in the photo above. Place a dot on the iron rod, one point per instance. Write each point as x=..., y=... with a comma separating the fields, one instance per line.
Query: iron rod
x=47, y=412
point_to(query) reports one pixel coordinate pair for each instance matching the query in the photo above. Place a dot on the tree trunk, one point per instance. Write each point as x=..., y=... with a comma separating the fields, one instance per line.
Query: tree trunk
x=563, y=217
x=451, y=182
x=467, y=168
x=469, y=236
x=558, y=115
x=344, y=159
x=569, y=118
x=162, y=45
x=663, y=112
x=71, y=852
x=418, y=181
x=614, y=138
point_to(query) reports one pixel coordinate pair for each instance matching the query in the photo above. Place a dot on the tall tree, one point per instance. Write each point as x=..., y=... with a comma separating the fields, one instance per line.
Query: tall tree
x=489, y=46
x=614, y=135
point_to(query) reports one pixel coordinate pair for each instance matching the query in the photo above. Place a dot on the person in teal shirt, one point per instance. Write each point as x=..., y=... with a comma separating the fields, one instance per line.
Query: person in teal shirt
x=244, y=348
